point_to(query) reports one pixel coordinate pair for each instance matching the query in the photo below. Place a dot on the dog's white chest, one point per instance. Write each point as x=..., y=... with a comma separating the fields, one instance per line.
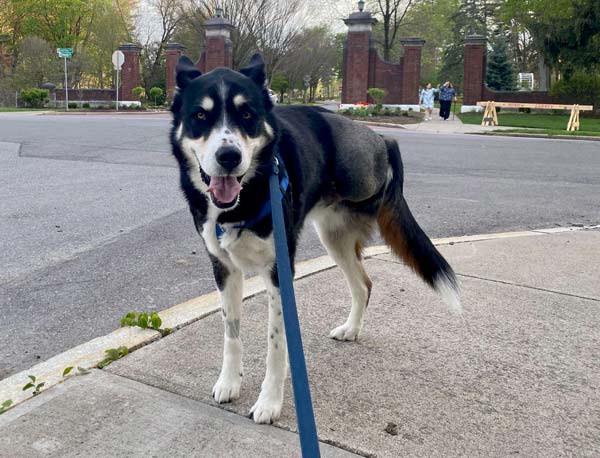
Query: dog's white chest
x=248, y=251
x=242, y=248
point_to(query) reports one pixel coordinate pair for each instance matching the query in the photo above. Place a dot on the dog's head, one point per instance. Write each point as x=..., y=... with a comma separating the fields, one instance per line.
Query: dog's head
x=222, y=120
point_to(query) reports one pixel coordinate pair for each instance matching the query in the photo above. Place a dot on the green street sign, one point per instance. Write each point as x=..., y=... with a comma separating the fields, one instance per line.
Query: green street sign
x=65, y=52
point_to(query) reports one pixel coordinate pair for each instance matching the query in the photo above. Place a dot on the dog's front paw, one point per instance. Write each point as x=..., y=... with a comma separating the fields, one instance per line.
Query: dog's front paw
x=345, y=332
x=266, y=410
x=227, y=388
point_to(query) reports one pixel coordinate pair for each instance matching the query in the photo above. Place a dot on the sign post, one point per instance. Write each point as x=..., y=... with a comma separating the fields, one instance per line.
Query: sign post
x=65, y=53
x=118, y=58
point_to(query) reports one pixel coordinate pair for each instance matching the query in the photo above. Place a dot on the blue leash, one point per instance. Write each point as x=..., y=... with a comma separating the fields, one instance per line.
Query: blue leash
x=309, y=442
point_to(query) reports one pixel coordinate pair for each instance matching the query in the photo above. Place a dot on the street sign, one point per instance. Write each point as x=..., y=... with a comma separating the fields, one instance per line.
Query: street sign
x=117, y=59
x=65, y=53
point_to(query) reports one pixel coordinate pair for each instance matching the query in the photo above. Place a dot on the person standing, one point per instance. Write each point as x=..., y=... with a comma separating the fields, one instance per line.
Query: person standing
x=447, y=94
x=426, y=99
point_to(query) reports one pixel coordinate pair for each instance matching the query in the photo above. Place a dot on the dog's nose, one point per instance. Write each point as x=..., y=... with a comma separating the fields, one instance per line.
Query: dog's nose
x=229, y=158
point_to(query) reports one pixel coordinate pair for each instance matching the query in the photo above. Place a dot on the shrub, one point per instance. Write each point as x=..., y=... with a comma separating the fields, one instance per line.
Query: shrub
x=139, y=92
x=85, y=105
x=377, y=95
x=156, y=94
x=72, y=105
x=582, y=88
x=524, y=110
x=35, y=98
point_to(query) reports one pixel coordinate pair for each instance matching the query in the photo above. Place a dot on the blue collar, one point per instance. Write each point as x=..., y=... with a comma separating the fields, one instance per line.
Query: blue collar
x=284, y=181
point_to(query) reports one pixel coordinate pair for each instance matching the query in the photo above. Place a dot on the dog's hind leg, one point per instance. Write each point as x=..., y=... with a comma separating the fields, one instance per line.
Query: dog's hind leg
x=344, y=244
x=230, y=282
x=268, y=406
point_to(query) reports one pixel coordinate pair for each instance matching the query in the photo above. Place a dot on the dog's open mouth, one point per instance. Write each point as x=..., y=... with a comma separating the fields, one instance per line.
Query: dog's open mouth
x=224, y=190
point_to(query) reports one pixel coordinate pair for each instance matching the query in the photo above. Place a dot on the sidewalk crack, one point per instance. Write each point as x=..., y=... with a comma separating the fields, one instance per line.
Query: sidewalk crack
x=505, y=282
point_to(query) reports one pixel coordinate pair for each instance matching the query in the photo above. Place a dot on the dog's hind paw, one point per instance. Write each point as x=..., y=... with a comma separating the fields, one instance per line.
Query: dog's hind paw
x=265, y=411
x=226, y=390
x=345, y=332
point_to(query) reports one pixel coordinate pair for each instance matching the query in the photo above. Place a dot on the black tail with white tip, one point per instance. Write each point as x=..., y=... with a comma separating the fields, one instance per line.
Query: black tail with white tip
x=407, y=240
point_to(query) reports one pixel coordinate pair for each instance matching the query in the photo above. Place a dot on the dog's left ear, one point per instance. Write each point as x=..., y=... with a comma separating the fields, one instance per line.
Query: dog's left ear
x=255, y=70
x=186, y=72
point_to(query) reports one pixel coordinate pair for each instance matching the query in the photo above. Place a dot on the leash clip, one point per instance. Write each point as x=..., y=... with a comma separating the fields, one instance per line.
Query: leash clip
x=275, y=165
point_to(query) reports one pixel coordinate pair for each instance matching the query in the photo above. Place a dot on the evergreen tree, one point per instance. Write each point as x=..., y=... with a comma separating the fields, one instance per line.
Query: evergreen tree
x=472, y=17
x=500, y=72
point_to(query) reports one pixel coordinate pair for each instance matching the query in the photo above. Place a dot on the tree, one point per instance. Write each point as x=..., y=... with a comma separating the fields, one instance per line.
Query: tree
x=566, y=32
x=312, y=54
x=279, y=83
x=156, y=94
x=500, y=72
x=430, y=21
x=392, y=13
x=171, y=14
x=471, y=17
x=38, y=63
x=266, y=25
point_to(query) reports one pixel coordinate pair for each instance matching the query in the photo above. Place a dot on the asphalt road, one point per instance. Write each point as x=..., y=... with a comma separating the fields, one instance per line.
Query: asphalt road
x=93, y=225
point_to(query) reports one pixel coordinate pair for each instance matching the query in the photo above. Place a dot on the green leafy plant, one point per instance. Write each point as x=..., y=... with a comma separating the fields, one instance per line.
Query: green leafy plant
x=79, y=371
x=139, y=92
x=5, y=405
x=113, y=354
x=377, y=95
x=35, y=98
x=33, y=384
x=156, y=94
x=145, y=321
x=72, y=105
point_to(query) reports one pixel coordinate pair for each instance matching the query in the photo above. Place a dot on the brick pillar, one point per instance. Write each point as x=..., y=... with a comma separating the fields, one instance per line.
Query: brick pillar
x=411, y=69
x=474, y=76
x=173, y=52
x=356, y=57
x=217, y=44
x=130, y=72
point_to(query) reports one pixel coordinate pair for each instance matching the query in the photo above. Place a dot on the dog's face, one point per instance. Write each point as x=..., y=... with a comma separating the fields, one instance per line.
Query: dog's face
x=221, y=124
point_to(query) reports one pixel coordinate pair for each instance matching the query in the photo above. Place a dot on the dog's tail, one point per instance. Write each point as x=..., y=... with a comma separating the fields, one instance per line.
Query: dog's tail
x=407, y=240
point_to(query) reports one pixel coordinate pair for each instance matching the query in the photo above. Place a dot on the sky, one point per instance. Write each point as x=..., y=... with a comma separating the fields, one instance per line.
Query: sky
x=315, y=12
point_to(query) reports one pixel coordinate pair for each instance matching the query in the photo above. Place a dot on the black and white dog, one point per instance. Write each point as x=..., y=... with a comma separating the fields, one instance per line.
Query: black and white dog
x=342, y=176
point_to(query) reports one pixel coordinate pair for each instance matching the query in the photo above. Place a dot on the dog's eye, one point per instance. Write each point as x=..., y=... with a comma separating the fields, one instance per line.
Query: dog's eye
x=247, y=115
x=201, y=115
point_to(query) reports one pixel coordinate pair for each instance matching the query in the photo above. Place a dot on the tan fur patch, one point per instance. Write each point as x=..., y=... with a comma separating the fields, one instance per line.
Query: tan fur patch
x=390, y=232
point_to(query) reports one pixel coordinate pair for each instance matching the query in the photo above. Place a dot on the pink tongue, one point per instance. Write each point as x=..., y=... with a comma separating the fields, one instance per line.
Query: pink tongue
x=225, y=189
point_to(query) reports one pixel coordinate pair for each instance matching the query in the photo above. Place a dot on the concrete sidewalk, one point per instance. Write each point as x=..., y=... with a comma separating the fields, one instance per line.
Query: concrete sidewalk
x=519, y=377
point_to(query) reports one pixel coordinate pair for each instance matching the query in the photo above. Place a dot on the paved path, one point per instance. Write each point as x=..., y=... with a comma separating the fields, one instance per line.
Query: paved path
x=125, y=240
x=518, y=377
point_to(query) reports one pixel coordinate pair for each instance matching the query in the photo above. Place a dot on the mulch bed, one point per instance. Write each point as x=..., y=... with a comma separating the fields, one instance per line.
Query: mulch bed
x=412, y=119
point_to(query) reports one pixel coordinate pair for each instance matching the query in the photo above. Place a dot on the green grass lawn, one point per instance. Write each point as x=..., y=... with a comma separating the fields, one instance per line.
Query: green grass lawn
x=550, y=132
x=550, y=122
x=12, y=109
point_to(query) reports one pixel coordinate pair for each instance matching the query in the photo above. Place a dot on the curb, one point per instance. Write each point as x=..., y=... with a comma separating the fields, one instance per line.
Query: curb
x=89, y=354
x=499, y=133
x=380, y=124
x=107, y=112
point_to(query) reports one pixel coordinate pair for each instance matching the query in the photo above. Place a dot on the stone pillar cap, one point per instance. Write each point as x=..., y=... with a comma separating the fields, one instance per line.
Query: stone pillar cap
x=175, y=47
x=130, y=47
x=475, y=39
x=217, y=23
x=361, y=17
x=412, y=41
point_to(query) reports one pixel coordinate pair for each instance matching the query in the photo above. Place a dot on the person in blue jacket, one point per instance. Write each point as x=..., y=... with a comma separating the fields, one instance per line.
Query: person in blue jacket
x=426, y=99
x=447, y=94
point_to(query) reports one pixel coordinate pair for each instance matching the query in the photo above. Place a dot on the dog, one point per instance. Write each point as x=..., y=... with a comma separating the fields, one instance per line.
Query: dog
x=342, y=176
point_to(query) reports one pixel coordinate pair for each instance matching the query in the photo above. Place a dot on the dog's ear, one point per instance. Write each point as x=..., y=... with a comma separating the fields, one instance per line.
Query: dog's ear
x=186, y=72
x=255, y=70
